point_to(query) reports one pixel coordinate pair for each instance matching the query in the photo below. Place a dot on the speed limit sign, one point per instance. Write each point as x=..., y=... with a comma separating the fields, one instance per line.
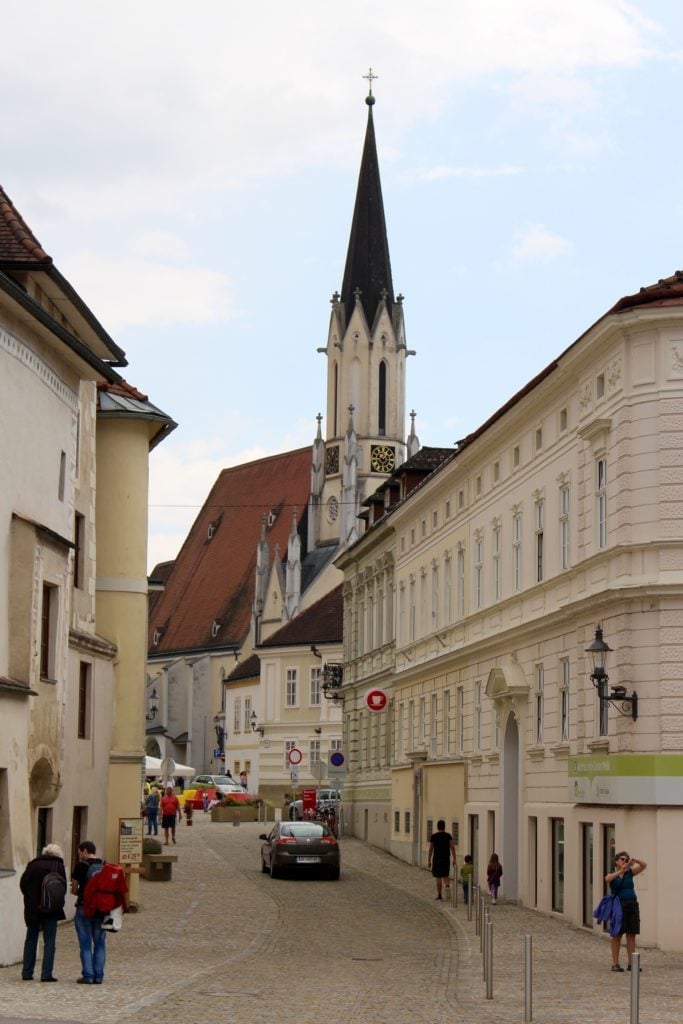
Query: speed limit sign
x=295, y=756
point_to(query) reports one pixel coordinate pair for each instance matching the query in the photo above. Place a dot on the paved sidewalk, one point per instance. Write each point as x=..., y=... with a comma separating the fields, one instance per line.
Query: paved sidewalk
x=224, y=943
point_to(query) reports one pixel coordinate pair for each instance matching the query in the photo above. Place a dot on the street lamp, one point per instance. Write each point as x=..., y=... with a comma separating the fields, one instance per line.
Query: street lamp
x=154, y=701
x=626, y=705
x=255, y=727
x=220, y=732
x=333, y=677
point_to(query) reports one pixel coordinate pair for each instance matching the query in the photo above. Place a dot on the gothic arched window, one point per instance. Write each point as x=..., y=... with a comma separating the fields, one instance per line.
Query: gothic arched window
x=382, y=402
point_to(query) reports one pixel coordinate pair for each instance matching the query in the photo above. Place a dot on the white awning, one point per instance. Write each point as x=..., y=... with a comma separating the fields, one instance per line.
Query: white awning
x=153, y=767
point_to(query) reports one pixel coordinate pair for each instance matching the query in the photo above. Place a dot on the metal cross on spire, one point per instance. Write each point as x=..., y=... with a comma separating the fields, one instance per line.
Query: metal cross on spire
x=371, y=78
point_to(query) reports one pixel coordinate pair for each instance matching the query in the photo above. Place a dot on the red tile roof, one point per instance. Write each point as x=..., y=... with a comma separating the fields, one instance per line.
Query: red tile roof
x=248, y=669
x=668, y=291
x=322, y=623
x=212, y=580
x=18, y=244
x=122, y=387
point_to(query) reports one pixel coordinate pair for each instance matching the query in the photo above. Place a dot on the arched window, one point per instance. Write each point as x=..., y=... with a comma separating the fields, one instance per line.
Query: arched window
x=335, y=431
x=382, y=410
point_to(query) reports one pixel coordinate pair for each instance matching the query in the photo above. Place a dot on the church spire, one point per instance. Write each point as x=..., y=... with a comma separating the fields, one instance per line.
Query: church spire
x=368, y=268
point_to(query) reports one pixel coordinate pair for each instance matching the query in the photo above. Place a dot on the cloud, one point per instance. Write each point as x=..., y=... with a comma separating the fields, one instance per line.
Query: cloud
x=536, y=244
x=453, y=171
x=137, y=292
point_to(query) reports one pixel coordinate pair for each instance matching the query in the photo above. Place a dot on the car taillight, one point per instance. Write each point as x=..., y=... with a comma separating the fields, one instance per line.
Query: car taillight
x=328, y=839
x=286, y=839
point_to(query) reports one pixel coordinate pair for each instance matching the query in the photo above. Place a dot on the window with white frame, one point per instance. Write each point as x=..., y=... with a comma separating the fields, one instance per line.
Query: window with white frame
x=435, y=597
x=517, y=551
x=564, y=526
x=289, y=745
x=538, y=538
x=423, y=602
x=401, y=613
x=421, y=724
x=460, y=582
x=377, y=728
x=496, y=561
x=601, y=500
x=335, y=744
x=399, y=733
x=411, y=725
x=447, y=609
x=361, y=628
x=237, y=715
x=477, y=716
x=380, y=617
x=496, y=729
x=368, y=739
x=447, y=732
x=538, y=703
x=478, y=571
x=316, y=680
x=411, y=609
x=247, y=714
x=564, y=700
x=389, y=734
x=370, y=630
x=459, y=721
x=291, y=688
x=433, y=717
x=313, y=752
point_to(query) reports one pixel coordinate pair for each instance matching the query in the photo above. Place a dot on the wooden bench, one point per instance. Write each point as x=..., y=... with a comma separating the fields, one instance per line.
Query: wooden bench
x=158, y=867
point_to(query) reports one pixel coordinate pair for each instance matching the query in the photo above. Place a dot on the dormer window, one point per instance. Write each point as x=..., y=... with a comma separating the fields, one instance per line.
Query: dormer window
x=272, y=516
x=211, y=530
x=215, y=628
x=158, y=633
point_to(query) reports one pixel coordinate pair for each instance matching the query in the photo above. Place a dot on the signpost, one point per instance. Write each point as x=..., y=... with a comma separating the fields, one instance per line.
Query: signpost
x=376, y=699
x=130, y=841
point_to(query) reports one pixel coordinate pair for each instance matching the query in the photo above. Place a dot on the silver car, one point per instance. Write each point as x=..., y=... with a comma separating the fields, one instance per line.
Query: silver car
x=299, y=845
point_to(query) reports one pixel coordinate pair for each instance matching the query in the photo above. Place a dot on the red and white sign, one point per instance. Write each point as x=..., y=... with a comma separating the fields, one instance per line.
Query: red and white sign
x=376, y=699
x=309, y=800
x=295, y=756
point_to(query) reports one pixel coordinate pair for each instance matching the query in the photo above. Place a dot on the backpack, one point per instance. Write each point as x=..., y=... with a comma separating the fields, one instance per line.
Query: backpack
x=52, y=893
x=104, y=890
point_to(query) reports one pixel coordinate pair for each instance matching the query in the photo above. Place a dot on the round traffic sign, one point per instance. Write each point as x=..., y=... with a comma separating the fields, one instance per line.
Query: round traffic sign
x=337, y=759
x=376, y=699
x=295, y=756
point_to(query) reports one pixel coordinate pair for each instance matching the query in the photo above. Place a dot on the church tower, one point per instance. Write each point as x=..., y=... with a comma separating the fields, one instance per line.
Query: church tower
x=366, y=353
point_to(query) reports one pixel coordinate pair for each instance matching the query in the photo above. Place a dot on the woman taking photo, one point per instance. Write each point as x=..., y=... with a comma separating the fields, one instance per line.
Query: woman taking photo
x=621, y=885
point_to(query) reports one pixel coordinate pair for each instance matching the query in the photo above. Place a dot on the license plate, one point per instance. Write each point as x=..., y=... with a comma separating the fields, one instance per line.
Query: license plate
x=308, y=860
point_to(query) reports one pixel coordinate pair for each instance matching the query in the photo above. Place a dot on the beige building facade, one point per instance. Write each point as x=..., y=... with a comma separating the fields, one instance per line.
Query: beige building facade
x=562, y=513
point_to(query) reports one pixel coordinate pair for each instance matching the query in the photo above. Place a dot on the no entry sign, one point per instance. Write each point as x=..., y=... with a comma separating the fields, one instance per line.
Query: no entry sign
x=295, y=756
x=376, y=699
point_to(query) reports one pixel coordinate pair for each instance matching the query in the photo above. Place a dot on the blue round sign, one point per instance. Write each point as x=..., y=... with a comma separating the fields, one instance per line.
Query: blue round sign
x=337, y=759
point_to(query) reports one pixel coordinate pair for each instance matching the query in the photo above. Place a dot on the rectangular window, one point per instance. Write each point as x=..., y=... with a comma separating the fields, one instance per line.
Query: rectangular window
x=563, y=419
x=289, y=745
x=461, y=500
x=515, y=456
x=79, y=550
x=84, y=698
x=496, y=472
x=61, y=486
x=397, y=821
x=432, y=726
x=237, y=715
x=477, y=486
x=421, y=725
x=435, y=597
x=44, y=829
x=460, y=583
x=380, y=617
x=290, y=688
x=477, y=716
x=389, y=734
x=564, y=526
x=557, y=846
x=399, y=733
x=429, y=831
x=447, y=722
x=48, y=632
x=459, y=721
x=538, y=703
x=600, y=386
x=564, y=700
x=411, y=610
x=435, y=520
x=496, y=562
x=601, y=501
x=517, y=552
x=247, y=714
x=423, y=603
x=313, y=752
x=479, y=572
x=538, y=439
x=316, y=680
x=406, y=820
x=448, y=510
x=447, y=609
x=539, y=516
x=401, y=614
x=411, y=725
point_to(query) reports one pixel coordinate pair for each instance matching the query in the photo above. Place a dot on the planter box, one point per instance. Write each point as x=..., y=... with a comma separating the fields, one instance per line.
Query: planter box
x=229, y=813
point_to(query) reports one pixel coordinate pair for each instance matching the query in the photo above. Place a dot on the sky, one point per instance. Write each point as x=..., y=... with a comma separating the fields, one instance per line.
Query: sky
x=192, y=170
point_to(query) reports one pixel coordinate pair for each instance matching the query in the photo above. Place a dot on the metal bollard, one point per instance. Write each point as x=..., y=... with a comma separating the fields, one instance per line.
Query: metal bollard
x=528, y=1013
x=635, y=988
x=482, y=933
x=477, y=909
x=489, y=959
x=470, y=900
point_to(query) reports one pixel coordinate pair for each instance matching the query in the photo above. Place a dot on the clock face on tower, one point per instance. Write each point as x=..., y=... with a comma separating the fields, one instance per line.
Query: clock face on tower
x=382, y=458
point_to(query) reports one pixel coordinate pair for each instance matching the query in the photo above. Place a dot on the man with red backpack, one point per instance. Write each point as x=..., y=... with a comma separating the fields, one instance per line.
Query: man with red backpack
x=99, y=887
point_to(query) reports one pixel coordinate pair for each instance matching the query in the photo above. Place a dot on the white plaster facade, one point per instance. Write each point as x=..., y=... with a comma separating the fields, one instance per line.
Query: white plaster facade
x=564, y=511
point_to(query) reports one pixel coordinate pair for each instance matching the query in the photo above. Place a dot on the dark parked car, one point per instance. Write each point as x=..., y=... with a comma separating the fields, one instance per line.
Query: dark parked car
x=299, y=845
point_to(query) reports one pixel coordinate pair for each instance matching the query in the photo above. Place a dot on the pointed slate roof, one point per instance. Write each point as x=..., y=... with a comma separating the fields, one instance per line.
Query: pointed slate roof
x=212, y=580
x=368, y=266
x=322, y=623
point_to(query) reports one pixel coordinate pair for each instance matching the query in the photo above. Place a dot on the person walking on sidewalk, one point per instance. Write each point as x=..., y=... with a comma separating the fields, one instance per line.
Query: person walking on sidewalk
x=466, y=877
x=441, y=848
x=152, y=811
x=43, y=908
x=494, y=873
x=170, y=809
x=621, y=884
x=91, y=937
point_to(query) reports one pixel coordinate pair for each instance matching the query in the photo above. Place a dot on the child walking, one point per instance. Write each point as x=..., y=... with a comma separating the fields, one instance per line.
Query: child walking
x=466, y=877
x=494, y=873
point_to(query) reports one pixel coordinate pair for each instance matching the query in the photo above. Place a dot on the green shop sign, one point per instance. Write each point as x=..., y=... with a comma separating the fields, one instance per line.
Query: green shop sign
x=652, y=779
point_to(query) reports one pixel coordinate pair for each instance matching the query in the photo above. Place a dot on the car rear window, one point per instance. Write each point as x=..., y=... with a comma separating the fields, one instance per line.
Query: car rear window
x=305, y=829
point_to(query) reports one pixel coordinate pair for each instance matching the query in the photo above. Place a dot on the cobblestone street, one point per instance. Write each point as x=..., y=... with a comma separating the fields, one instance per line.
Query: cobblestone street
x=223, y=942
